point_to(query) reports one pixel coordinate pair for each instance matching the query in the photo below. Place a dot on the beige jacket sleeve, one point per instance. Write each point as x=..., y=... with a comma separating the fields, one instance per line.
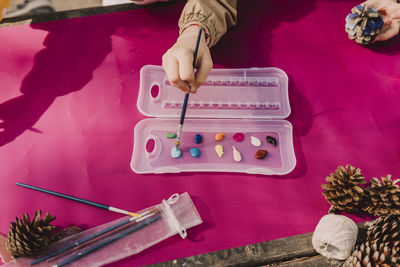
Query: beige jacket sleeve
x=214, y=16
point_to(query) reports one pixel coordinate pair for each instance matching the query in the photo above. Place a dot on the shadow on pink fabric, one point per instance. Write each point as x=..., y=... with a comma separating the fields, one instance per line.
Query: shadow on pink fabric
x=72, y=51
x=68, y=96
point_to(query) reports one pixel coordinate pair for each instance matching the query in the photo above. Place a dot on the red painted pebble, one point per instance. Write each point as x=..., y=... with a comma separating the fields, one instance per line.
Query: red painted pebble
x=261, y=154
x=238, y=137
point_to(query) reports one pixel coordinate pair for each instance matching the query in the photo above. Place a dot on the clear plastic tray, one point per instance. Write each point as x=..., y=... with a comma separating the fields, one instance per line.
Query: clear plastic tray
x=251, y=101
x=227, y=93
x=280, y=159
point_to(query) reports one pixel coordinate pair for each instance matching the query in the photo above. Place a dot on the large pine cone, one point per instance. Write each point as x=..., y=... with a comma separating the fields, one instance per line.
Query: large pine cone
x=26, y=238
x=384, y=197
x=382, y=247
x=343, y=191
x=384, y=229
x=363, y=24
x=369, y=254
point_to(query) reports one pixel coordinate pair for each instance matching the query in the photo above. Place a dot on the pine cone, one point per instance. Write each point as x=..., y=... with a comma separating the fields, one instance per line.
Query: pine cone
x=343, y=191
x=384, y=229
x=384, y=197
x=363, y=24
x=26, y=238
x=382, y=247
x=369, y=254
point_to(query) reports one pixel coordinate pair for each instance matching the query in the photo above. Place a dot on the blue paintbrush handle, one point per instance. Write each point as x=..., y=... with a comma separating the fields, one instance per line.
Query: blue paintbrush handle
x=183, y=113
x=65, y=196
x=106, y=242
x=80, y=241
x=185, y=101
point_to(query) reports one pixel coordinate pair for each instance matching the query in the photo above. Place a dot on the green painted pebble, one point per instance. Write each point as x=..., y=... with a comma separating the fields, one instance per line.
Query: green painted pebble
x=170, y=135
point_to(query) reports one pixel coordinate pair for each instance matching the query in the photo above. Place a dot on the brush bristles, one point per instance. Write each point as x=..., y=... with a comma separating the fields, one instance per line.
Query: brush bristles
x=134, y=214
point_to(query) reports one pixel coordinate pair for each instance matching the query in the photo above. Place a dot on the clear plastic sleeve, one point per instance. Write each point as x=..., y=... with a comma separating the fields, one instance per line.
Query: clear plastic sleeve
x=121, y=238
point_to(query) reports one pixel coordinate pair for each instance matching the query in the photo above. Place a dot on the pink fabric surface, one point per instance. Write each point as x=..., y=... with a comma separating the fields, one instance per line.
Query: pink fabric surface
x=68, y=101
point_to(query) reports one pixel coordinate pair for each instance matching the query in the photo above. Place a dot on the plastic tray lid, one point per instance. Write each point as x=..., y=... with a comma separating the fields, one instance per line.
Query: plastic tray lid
x=227, y=93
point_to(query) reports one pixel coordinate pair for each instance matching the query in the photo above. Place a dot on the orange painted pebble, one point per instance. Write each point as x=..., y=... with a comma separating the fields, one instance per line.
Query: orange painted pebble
x=219, y=137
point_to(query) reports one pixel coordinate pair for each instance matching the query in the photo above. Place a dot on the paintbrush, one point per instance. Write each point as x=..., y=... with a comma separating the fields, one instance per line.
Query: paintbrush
x=106, y=234
x=92, y=203
x=145, y=221
x=95, y=237
x=185, y=101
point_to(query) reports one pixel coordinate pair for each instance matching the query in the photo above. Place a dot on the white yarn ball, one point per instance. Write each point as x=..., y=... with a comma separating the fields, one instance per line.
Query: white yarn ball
x=335, y=236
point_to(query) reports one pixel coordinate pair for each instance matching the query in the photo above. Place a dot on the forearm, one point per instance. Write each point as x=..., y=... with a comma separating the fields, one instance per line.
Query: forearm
x=215, y=17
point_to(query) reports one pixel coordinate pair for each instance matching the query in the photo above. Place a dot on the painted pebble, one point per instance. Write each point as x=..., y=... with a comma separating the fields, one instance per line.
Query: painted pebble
x=220, y=150
x=219, y=136
x=198, y=139
x=170, y=135
x=238, y=137
x=236, y=154
x=261, y=154
x=255, y=141
x=176, y=153
x=195, y=152
x=272, y=140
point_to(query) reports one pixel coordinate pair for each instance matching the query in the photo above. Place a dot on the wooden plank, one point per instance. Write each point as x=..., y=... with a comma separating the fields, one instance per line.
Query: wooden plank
x=292, y=251
x=270, y=253
x=63, y=4
x=316, y=261
x=78, y=13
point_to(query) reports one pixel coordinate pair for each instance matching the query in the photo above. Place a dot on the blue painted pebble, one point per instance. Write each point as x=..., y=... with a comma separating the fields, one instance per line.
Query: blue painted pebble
x=195, y=152
x=198, y=139
x=176, y=153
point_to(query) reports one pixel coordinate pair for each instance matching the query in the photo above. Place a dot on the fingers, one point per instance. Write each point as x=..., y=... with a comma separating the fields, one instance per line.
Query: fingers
x=178, y=61
x=171, y=68
x=205, y=66
x=385, y=15
x=389, y=33
x=185, y=61
x=179, y=69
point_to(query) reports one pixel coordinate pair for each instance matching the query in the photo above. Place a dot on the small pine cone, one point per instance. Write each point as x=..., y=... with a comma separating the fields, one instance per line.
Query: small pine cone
x=26, y=238
x=363, y=24
x=343, y=191
x=369, y=254
x=384, y=197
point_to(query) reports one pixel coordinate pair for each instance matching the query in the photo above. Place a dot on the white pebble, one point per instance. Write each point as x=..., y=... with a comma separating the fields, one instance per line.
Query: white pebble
x=255, y=141
x=236, y=154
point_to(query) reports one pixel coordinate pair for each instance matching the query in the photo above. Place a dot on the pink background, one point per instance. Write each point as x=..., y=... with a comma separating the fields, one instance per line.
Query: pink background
x=68, y=93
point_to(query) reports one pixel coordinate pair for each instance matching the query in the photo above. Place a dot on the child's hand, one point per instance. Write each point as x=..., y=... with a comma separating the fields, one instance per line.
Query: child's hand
x=393, y=10
x=178, y=61
x=388, y=9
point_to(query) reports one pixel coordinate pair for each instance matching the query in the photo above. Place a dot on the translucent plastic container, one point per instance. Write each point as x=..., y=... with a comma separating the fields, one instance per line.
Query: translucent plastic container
x=173, y=216
x=251, y=101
